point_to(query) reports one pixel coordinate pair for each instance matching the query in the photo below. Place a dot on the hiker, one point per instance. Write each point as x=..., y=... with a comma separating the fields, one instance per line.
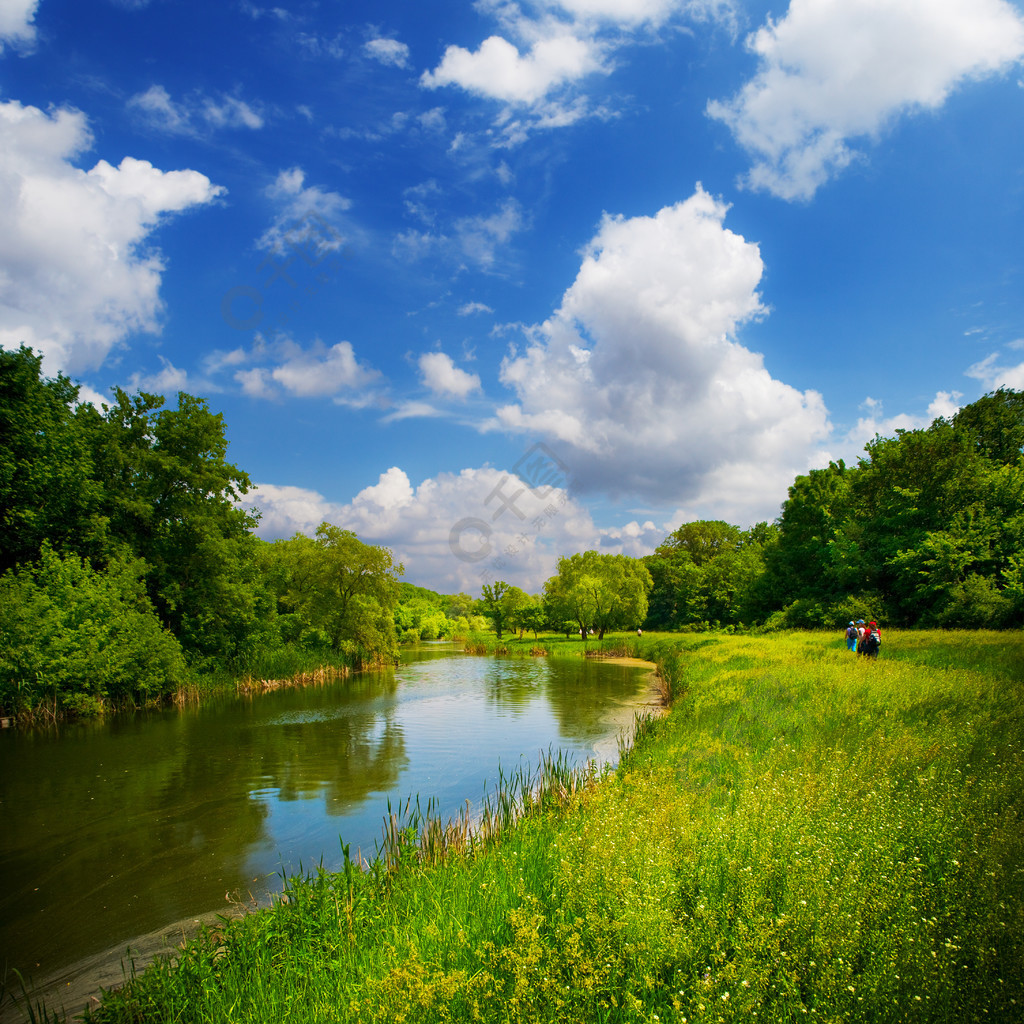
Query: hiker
x=852, y=636
x=872, y=641
x=861, y=632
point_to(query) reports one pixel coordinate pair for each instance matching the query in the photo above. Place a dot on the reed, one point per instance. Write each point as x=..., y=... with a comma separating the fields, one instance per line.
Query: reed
x=322, y=675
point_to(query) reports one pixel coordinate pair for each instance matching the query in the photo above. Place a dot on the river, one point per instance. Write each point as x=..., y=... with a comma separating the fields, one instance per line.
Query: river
x=121, y=832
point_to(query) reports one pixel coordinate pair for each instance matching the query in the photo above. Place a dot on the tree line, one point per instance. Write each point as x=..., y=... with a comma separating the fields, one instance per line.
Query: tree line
x=128, y=568
x=926, y=530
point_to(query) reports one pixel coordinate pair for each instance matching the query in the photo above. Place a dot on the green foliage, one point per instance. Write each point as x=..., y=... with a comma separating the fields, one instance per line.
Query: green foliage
x=704, y=572
x=423, y=614
x=78, y=638
x=598, y=591
x=47, y=490
x=493, y=606
x=339, y=588
x=929, y=522
x=170, y=498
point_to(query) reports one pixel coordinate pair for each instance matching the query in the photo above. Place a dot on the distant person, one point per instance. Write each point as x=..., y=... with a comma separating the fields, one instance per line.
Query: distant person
x=639, y=632
x=860, y=635
x=872, y=641
x=852, y=636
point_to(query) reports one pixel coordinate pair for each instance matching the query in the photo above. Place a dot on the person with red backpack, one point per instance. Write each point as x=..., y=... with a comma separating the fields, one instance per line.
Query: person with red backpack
x=872, y=641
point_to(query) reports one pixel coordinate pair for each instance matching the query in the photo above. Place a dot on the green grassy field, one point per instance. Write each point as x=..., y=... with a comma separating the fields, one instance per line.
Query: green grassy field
x=808, y=835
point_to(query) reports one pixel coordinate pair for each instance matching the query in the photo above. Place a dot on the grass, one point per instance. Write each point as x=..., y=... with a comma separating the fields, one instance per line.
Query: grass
x=808, y=835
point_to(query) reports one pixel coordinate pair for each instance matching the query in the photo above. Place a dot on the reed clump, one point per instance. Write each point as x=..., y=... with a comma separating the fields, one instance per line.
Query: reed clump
x=320, y=676
x=808, y=835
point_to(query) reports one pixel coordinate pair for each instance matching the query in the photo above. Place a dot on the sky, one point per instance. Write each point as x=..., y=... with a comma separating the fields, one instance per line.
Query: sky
x=491, y=283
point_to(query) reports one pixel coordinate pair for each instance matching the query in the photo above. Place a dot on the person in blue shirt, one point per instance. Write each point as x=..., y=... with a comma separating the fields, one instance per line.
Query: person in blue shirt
x=852, y=636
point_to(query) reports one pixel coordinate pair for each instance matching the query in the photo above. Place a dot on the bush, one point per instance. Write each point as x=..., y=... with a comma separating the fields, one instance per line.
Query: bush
x=79, y=637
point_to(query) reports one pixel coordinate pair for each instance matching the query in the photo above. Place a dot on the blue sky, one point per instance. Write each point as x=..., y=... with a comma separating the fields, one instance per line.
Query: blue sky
x=493, y=282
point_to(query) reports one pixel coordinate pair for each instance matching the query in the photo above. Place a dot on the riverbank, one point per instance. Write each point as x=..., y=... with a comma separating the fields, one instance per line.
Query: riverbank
x=807, y=835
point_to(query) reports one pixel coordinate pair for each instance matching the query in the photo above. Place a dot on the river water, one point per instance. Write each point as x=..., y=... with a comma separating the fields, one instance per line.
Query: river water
x=114, y=830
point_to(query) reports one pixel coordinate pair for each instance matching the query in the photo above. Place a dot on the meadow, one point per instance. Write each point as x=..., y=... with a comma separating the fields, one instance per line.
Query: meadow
x=807, y=835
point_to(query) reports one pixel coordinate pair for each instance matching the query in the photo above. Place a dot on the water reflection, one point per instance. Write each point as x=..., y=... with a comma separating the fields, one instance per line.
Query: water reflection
x=119, y=828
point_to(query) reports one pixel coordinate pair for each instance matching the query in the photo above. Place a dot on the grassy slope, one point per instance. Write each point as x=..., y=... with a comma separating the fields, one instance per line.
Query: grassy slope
x=807, y=836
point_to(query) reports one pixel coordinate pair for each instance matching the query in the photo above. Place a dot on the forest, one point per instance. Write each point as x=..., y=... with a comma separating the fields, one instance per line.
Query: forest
x=129, y=573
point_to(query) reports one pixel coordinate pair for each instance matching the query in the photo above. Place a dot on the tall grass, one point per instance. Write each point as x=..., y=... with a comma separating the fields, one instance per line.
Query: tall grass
x=808, y=835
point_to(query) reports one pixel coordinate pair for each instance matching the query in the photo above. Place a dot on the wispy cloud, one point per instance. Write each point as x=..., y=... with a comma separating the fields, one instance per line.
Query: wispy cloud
x=196, y=113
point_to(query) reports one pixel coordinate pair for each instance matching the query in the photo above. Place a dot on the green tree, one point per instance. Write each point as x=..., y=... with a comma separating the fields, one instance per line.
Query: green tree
x=598, y=591
x=704, y=572
x=47, y=490
x=342, y=588
x=493, y=607
x=518, y=605
x=170, y=497
x=994, y=425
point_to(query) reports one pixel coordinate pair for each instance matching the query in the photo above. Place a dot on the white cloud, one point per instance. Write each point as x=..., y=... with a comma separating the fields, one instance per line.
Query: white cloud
x=497, y=70
x=411, y=410
x=480, y=237
x=635, y=13
x=994, y=376
x=474, y=239
x=454, y=531
x=231, y=112
x=639, y=382
x=16, y=28
x=170, y=379
x=316, y=372
x=76, y=274
x=469, y=308
x=945, y=403
x=850, y=446
x=433, y=120
x=538, y=62
x=388, y=51
x=287, y=510
x=834, y=71
x=444, y=378
x=309, y=217
x=197, y=111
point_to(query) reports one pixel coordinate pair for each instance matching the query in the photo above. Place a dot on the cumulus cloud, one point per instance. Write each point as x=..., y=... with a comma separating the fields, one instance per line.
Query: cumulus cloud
x=16, y=23
x=454, y=531
x=444, y=378
x=169, y=379
x=835, y=71
x=638, y=378
x=497, y=70
x=317, y=372
x=388, y=51
x=76, y=274
x=538, y=62
x=286, y=510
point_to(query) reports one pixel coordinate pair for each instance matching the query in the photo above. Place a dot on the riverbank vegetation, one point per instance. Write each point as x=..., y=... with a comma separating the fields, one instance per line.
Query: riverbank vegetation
x=807, y=835
x=130, y=572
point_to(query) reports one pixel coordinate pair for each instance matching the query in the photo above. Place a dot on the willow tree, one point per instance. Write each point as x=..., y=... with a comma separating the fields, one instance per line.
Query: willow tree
x=599, y=592
x=340, y=589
